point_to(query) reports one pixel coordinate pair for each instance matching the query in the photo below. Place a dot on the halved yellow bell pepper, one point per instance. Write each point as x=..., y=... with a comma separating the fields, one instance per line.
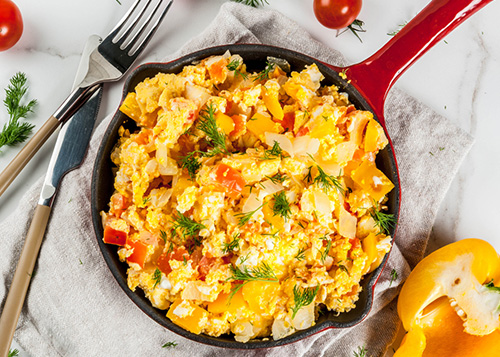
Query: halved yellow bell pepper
x=449, y=305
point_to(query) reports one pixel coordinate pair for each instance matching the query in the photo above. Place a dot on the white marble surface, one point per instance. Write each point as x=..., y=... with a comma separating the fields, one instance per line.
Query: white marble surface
x=458, y=78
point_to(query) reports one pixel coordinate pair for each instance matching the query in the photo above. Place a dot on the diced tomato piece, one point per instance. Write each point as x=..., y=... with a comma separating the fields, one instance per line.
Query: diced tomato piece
x=143, y=137
x=288, y=121
x=140, y=250
x=163, y=262
x=239, y=125
x=205, y=265
x=303, y=131
x=119, y=203
x=113, y=236
x=230, y=178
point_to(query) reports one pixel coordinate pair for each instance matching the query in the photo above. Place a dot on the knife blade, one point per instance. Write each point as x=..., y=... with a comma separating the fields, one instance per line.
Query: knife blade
x=69, y=151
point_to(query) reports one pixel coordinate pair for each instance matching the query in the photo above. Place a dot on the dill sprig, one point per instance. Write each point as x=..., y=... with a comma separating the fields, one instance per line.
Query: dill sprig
x=253, y=3
x=263, y=272
x=208, y=125
x=303, y=298
x=187, y=226
x=264, y=74
x=395, y=32
x=278, y=178
x=273, y=153
x=325, y=182
x=281, y=205
x=324, y=253
x=13, y=131
x=301, y=255
x=384, y=221
x=156, y=277
x=244, y=218
x=233, y=66
x=169, y=344
x=13, y=353
x=394, y=276
x=191, y=164
x=361, y=352
x=492, y=287
x=232, y=245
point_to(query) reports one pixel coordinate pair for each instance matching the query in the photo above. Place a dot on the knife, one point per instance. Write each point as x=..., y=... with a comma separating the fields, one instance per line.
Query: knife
x=69, y=151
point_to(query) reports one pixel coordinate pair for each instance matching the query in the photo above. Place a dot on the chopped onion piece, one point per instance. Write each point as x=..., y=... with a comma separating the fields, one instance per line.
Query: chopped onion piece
x=304, y=317
x=304, y=145
x=322, y=203
x=251, y=204
x=169, y=169
x=281, y=328
x=347, y=223
x=269, y=188
x=283, y=141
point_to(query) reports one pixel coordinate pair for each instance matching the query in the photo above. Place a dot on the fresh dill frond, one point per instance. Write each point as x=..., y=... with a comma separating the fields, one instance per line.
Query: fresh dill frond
x=253, y=3
x=301, y=255
x=361, y=352
x=244, y=218
x=263, y=272
x=394, y=276
x=216, y=138
x=384, y=221
x=187, y=226
x=326, y=182
x=233, y=66
x=343, y=268
x=394, y=33
x=13, y=131
x=191, y=164
x=169, y=344
x=264, y=74
x=278, y=178
x=232, y=245
x=163, y=236
x=156, y=277
x=273, y=153
x=324, y=253
x=303, y=298
x=281, y=205
x=492, y=287
x=13, y=353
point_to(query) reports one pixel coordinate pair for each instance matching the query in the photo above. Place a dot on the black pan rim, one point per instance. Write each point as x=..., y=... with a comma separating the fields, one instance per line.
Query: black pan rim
x=116, y=267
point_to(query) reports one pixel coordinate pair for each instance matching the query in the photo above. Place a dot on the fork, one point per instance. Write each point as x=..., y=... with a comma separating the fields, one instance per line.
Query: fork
x=107, y=63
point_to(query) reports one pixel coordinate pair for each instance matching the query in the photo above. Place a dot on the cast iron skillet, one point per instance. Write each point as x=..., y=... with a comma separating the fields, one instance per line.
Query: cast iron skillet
x=367, y=85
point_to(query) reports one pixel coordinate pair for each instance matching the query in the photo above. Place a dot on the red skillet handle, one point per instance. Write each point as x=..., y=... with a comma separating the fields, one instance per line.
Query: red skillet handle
x=375, y=76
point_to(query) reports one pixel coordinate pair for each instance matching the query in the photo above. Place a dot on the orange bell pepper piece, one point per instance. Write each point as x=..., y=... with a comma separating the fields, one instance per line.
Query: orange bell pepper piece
x=449, y=305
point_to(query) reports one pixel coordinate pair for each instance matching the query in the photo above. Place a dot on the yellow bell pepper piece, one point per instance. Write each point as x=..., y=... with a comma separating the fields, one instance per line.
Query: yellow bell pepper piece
x=258, y=294
x=234, y=305
x=130, y=107
x=446, y=306
x=375, y=138
x=372, y=180
x=271, y=101
x=225, y=122
x=192, y=316
x=260, y=124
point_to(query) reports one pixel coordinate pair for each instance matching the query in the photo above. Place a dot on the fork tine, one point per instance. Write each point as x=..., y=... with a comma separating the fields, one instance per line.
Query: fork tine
x=124, y=19
x=124, y=36
x=149, y=35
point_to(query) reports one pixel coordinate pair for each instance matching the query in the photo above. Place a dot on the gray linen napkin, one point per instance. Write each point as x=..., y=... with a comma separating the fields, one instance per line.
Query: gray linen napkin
x=74, y=306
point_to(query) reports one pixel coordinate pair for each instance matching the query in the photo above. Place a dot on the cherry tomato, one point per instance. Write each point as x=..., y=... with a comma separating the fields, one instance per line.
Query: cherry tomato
x=11, y=24
x=336, y=14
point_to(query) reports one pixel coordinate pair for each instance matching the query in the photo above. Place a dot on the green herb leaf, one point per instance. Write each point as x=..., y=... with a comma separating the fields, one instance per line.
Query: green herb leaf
x=281, y=205
x=191, y=164
x=13, y=131
x=361, y=352
x=216, y=138
x=325, y=252
x=303, y=298
x=492, y=287
x=13, y=353
x=231, y=246
x=261, y=273
x=394, y=276
x=327, y=182
x=169, y=344
x=278, y=178
x=244, y=218
x=233, y=66
x=264, y=74
x=301, y=255
x=273, y=153
x=187, y=226
x=384, y=221
x=156, y=277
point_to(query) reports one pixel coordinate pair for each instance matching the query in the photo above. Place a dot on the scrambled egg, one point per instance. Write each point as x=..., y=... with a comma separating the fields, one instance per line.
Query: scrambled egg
x=246, y=203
